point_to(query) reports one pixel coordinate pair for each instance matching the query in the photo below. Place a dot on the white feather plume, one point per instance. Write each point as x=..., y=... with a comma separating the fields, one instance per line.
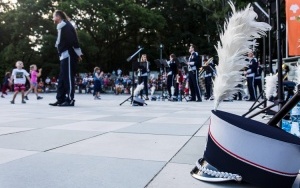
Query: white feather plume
x=139, y=88
x=236, y=41
x=271, y=86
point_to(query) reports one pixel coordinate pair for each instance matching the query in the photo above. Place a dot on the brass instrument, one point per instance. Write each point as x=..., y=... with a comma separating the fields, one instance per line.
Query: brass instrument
x=201, y=70
x=285, y=68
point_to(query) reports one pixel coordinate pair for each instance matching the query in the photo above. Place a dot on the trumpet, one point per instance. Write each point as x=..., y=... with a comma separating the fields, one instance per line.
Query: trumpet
x=286, y=70
x=201, y=70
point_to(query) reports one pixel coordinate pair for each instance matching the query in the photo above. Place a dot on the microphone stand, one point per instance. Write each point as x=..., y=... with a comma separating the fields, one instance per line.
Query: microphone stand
x=133, y=79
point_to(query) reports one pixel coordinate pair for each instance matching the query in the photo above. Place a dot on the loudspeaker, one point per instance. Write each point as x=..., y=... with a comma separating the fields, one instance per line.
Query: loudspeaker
x=138, y=101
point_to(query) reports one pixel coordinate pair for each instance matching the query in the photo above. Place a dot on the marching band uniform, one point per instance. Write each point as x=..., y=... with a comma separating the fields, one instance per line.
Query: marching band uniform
x=250, y=74
x=194, y=61
x=208, y=74
x=257, y=80
x=69, y=51
x=171, y=71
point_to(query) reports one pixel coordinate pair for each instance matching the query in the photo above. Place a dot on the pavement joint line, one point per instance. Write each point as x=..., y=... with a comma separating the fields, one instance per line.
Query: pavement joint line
x=18, y=132
x=33, y=129
x=175, y=155
x=76, y=141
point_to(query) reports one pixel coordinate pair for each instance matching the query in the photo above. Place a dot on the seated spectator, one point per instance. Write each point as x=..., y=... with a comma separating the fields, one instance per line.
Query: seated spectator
x=80, y=85
x=48, y=81
x=41, y=85
x=90, y=87
x=53, y=80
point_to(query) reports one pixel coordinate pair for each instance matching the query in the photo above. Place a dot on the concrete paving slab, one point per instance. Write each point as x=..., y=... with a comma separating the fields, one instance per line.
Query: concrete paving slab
x=194, y=113
x=49, y=170
x=198, y=121
x=178, y=175
x=191, y=152
x=130, y=146
x=7, y=155
x=8, y=119
x=43, y=139
x=136, y=118
x=37, y=123
x=141, y=136
x=146, y=114
x=100, y=126
x=161, y=128
x=187, y=116
x=203, y=131
x=79, y=117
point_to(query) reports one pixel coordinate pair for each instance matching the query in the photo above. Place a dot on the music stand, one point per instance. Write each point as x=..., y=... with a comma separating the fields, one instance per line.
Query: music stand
x=161, y=64
x=133, y=65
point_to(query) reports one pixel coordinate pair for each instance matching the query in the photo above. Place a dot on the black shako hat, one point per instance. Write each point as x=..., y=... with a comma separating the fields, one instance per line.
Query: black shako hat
x=242, y=149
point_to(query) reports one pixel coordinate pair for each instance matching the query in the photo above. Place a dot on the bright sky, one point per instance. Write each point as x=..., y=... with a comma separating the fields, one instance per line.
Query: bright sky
x=10, y=1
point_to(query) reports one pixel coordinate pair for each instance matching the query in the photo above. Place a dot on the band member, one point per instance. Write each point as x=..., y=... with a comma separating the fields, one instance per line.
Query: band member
x=69, y=54
x=143, y=74
x=257, y=80
x=171, y=72
x=208, y=74
x=193, y=62
x=250, y=74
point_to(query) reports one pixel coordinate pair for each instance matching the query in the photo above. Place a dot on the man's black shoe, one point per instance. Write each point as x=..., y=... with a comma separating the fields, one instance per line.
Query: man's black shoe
x=191, y=100
x=198, y=100
x=68, y=103
x=55, y=104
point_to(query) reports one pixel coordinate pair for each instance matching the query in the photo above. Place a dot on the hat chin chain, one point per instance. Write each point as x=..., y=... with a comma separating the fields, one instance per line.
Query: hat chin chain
x=206, y=172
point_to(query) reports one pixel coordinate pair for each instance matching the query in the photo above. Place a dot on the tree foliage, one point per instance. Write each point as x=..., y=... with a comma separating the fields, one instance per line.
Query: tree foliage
x=109, y=31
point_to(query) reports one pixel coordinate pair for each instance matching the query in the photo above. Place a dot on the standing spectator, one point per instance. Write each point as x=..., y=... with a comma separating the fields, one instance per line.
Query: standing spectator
x=34, y=74
x=18, y=77
x=97, y=83
x=70, y=53
x=5, y=85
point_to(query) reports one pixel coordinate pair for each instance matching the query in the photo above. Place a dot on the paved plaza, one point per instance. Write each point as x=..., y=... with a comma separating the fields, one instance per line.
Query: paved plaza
x=100, y=144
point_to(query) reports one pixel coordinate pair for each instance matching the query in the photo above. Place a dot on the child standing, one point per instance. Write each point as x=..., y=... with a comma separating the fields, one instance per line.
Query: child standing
x=34, y=74
x=6, y=82
x=97, y=82
x=18, y=77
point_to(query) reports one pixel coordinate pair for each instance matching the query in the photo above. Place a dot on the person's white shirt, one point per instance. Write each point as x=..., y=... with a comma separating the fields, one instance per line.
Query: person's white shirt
x=85, y=80
x=48, y=80
x=20, y=76
x=119, y=72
